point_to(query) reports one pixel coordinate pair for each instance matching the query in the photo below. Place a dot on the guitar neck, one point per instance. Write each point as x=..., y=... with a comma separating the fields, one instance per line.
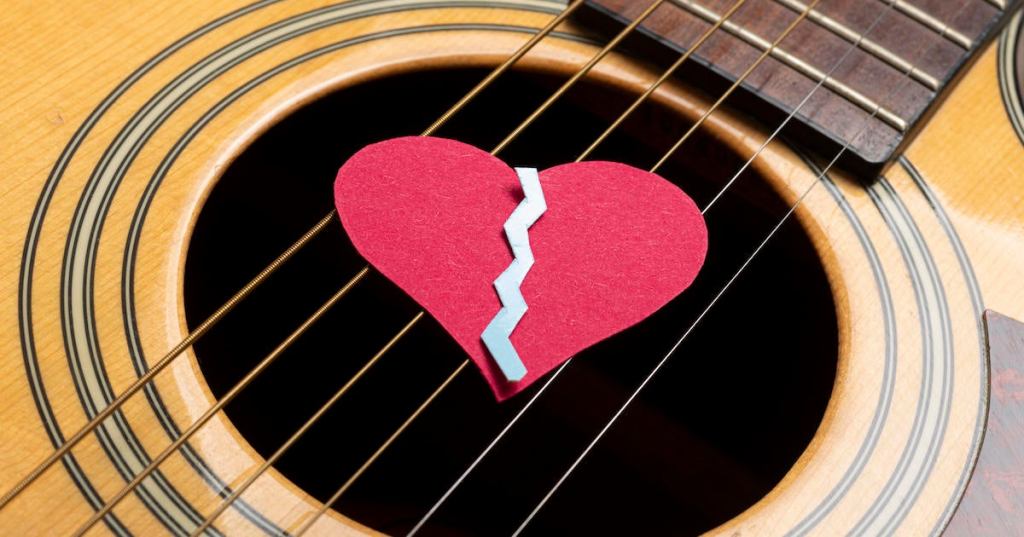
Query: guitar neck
x=859, y=74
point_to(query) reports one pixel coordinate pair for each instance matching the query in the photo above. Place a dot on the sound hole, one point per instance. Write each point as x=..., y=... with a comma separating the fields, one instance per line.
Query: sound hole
x=717, y=428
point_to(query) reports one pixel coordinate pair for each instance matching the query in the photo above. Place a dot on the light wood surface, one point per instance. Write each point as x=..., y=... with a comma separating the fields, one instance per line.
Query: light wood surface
x=908, y=257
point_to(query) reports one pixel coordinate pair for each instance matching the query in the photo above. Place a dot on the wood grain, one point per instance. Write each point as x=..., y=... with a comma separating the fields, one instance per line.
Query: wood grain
x=994, y=499
x=827, y=119
x=62, y=60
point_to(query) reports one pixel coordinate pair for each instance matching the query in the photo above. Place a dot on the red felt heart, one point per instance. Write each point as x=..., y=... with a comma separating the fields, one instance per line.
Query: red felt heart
x=615, y=244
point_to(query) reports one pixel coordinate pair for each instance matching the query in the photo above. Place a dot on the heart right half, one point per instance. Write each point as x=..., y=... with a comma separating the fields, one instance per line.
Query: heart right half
x=615, y=244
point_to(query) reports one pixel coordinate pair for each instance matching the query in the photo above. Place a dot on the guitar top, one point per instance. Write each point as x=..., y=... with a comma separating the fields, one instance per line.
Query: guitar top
x=758, y=267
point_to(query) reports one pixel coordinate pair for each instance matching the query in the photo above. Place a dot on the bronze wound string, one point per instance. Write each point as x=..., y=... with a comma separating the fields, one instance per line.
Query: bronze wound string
x=316, y=416
x=262, y=276
x=675, y=147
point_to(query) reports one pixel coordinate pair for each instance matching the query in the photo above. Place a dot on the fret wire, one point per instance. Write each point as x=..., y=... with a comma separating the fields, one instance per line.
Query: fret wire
x=419, y=410
x=209, y=520
x=246, y=290
x=736, y=84
x=999, y=4
x=869, y=45
x=862, y=101
x=219, y=405
x=664, y=76
x=704, y=312
x=932, y=23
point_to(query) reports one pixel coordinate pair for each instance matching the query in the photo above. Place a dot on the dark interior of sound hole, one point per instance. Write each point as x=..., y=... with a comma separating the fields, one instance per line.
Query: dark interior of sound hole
x=713, y=432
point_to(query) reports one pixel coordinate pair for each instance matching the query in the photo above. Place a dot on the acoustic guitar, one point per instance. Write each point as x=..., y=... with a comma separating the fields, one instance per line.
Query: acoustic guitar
x=191, y=344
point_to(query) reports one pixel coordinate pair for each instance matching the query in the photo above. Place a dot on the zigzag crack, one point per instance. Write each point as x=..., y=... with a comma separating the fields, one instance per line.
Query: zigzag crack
x=496, y=335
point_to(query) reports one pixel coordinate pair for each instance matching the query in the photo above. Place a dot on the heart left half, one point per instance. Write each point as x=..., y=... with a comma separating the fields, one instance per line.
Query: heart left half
x=615, y=244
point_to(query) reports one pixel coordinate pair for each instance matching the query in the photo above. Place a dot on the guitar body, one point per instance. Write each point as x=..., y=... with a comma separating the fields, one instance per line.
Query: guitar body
x=118, y=120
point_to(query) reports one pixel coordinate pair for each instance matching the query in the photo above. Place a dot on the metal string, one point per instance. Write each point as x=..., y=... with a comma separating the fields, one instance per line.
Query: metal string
x=323, y=509
x=246, y=290
x=316, y=416
x=704, y=312
x=502, y=145
x=162, y=364
x=320, y=225
x=704, y=210
x=487, y=450
x=154, y=464
x=216, y=407
x=302, y=430
x=207, y=324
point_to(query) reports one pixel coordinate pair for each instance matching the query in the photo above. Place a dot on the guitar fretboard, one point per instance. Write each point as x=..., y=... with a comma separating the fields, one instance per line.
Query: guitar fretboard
x=874, y=69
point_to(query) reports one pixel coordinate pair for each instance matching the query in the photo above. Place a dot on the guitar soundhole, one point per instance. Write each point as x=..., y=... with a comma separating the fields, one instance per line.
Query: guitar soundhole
x=715, y=430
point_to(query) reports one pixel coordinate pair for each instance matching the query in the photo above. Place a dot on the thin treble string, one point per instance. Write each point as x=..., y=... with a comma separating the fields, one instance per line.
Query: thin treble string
x=248, y=288
x=380, y=450
x=327, y=505
x=700, y=317
x=704, y=210
x=590, y=149
x=483, y=454
x=267, y=464
x=154, y=464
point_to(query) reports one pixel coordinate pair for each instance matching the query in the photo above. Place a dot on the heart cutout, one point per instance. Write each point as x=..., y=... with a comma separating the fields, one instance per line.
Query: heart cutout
x=615, y=245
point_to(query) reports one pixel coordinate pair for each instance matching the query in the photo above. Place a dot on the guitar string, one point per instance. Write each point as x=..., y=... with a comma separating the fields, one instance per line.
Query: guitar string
x=490, y=446
x=262, y=276
x=519, y=414
x=866, y=123
x=269, y=462
x=463, y=365
x=348, y=483
x=505, y=142
x=940, y=28
x=529, y=120
x=320, y=225
x=270, y=358
x=244, y=292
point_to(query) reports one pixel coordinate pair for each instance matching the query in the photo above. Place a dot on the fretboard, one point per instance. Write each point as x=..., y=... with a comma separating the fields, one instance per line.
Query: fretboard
x=874, y=69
